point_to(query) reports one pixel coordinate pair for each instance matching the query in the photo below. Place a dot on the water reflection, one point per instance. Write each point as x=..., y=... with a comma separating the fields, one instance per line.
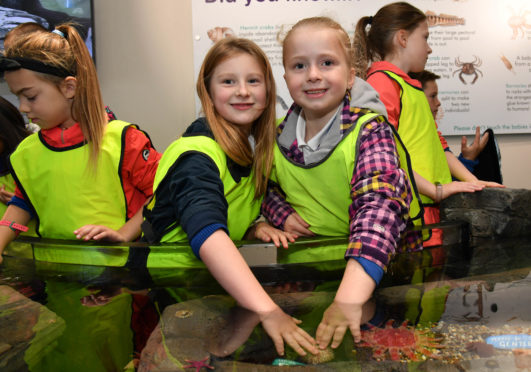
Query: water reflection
x=447, y=308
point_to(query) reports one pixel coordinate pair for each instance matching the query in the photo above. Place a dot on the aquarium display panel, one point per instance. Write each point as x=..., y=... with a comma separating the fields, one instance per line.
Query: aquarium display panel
x=48, y=13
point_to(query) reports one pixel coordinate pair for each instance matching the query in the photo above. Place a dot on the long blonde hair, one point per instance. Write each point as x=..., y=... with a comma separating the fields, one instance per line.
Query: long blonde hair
x=233, y=139
x=68, y=53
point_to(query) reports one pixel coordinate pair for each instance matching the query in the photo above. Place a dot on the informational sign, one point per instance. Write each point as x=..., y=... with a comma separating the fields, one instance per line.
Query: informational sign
x=481, y=50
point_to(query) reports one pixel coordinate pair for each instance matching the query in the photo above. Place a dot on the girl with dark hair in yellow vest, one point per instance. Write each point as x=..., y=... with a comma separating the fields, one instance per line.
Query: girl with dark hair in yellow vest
x=395, y=40
x=210, y=182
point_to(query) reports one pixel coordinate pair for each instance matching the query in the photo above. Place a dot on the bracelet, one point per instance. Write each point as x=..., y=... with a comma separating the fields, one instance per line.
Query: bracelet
x=16, y=227
x=438, y=192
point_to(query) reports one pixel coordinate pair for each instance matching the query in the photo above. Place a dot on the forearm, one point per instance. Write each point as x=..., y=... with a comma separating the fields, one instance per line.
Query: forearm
x=356, y=286
x=228, y=267
x=425, y=187
x=131, y=229
x=457, y=169
x=12, y=214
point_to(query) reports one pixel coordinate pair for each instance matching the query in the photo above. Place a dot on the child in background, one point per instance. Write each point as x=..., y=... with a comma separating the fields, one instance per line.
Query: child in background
x=12, y=132
x=395, y=41
x=336, y=168
x=79, y=169
x=469, y=154
x=209, y=185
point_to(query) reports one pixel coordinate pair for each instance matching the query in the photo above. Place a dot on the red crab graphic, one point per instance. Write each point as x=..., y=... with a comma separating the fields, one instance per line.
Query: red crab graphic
x=402, y=343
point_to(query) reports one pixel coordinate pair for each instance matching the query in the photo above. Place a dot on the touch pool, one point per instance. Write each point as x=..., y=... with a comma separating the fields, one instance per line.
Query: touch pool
x=463, y=306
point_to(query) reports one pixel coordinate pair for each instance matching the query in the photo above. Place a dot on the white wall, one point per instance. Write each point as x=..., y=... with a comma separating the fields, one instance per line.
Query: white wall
x=145, y=64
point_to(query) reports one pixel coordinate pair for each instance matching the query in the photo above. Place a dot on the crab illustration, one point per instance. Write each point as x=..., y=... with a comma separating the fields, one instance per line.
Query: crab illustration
x=519, y=22
x=468, y=68
x=198, y=364
x=402, y=343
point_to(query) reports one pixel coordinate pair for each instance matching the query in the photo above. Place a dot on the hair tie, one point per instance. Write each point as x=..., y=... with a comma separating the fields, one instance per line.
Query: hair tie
x=369, y=20
x=60, y=33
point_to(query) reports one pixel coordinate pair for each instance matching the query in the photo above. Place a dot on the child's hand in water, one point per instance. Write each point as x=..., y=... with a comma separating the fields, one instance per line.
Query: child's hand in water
x=5, y=196
x=282, y=327
x=267, y=233
x=336, y=319
x=296, y=225
x=351, y=307
x=98, y=232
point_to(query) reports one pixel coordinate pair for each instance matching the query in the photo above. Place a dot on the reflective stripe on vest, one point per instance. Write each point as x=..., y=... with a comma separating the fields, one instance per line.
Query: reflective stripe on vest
x=66, y=193
x=308, y=188
x=242, y=208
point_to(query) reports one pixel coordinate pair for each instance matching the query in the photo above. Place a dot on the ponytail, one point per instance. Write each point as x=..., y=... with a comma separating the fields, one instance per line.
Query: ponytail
x=64, y=50
x=88, y=108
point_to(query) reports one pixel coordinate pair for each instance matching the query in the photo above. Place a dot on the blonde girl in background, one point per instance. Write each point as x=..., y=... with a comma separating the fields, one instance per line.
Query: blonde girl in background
x=210, y=182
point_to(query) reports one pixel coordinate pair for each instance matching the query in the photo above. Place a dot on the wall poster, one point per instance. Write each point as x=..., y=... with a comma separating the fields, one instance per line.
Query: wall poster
x=481, y=50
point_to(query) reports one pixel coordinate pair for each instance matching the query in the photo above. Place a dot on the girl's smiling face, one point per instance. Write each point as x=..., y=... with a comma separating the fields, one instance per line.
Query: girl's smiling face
x=317, y=71
x=43, y=102
x=238, y=90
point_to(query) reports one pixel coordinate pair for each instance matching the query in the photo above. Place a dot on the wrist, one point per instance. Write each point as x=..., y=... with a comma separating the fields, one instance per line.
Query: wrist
x=13, y=226
x=266, y=311
x=438, y=192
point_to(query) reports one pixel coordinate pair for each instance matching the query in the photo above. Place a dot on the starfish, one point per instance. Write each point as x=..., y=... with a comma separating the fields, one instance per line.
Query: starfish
x=198, y=364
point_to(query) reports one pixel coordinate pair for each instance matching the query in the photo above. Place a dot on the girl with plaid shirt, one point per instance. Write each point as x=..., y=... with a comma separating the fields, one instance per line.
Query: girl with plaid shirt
x=336, y=153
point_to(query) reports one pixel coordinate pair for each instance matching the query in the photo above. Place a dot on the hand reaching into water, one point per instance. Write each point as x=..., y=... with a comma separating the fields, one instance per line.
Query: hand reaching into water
x=336, y=319
x=282, y=327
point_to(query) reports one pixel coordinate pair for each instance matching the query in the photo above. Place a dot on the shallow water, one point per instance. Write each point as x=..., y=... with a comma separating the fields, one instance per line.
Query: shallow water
x=467, y=306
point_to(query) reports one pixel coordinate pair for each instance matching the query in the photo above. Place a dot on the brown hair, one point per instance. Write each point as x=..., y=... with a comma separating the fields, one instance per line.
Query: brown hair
x=232, y=138
x=424, y=76
x=377, y=42
x=21, y=30
x=322, y=22
x=71, y=54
